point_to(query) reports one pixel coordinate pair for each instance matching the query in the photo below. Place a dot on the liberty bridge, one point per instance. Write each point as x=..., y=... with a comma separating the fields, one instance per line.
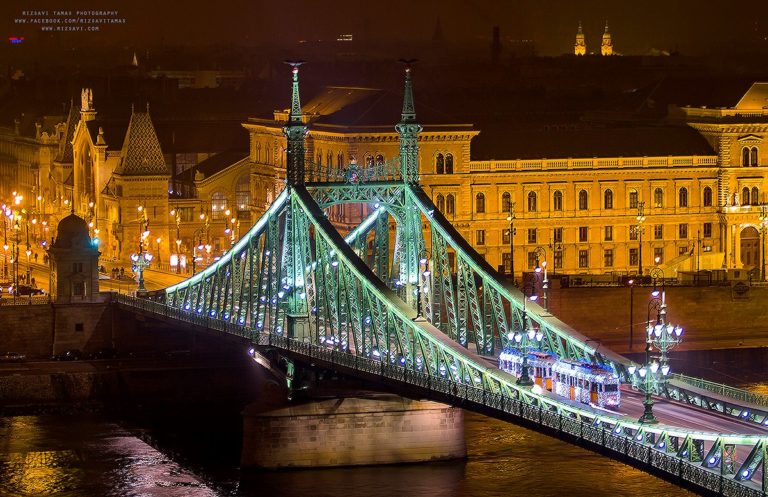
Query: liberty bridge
x=429, y=318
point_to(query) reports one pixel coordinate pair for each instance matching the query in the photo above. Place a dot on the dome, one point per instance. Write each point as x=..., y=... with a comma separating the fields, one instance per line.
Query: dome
x=72, y=230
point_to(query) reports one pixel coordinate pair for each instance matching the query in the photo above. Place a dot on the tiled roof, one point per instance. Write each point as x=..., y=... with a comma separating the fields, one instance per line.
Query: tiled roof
x=503, y=144
x=219, y=162
x=65, y=147
x=141, y=154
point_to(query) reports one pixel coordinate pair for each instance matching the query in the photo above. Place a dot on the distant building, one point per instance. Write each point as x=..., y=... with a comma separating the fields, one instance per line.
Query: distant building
x=580, y=47
x=606, y=47
x=74, y=263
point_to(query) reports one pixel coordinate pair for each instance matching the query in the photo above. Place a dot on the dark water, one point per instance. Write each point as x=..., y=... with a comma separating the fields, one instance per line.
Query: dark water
x=196, y=455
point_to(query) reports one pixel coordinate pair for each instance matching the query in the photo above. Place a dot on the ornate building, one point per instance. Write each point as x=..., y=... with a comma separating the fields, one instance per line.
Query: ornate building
x=606, y=47
x=580, y=47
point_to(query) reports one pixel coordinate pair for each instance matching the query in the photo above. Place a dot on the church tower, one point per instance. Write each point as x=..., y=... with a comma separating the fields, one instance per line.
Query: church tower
x=607, y=47
x=580, y=47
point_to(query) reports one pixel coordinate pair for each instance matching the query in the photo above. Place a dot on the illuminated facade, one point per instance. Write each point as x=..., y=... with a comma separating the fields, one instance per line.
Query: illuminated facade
x=606, y=47
x=580, y=47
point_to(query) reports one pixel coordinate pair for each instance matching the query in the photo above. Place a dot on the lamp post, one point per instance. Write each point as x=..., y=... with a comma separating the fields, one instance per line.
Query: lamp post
x=663, y=335
x=639, y=230
x=424, y=273
x=526, y=336
x=763, y=226
x=631, y=284
x=142, y=259
x=541, y=251
x=511, y=219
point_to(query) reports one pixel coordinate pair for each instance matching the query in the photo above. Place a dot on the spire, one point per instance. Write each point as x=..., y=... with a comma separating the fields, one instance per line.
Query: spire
x=135, y=61
x=606, y=25
x=580, y=47
x=409, y=111
x=409, y=130
x=295, y=131
x=606, y=48
x=580, y=32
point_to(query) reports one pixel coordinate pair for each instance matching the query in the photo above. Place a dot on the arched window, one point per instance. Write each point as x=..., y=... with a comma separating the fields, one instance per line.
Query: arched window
x=267, y=155
x=480, y=203
x=745, y=196
x=440, y=202
x=258, y=152
x=583, y=200
x=608, y=199
x=633, y=199
x=368, y=161
x=658, y=197
x=319, y=159
x=707, y=196
x=531, y=201
x=448, y=164
x=379, y=160
x=218, y=205
x=745, y=156
x=439, y=164
x=243, y=197
x=753, y=157
x=329, y=159
x=340, y=160
x=450, y=204
x=557, y=201
x=755, y=196
x=683, y=197
x=506, y=202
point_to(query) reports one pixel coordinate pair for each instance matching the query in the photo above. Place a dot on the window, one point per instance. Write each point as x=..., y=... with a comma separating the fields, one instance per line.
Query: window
x=531, y=235
x=753, y=157
x=658, y=254
x=480, y=237
x=77, y=267
x=583, y=200
x=707, y=196
x=683, y=231
x=633, y=257
x=439, y=164
x=448, y=164
x=682, y=250
x=78, y=288
x=379, y=160
x=243, y=197
x=633, y=199
x=658, y=197
x=440, y=202
x=557, y=201
x=583, y=233
x=506, y=202
x=505, y=236
x=658, y=231
x=531, y=201
x=480, y=203
x=583, y=258
x=340, y=160
x=745, y=196
x=368, y=161
x=218, y=205
x=558, y=259
x=745, y=156
x=683, y=197
x=707, y=230
x=608, y=199
x=506, y=260
x=608, y=257
x=450, y=204
x=755, y=196
x=609, y=233
x=633, y=230
x=186, y=214
x=557, y=235
x=532, y=259
x=329, y=159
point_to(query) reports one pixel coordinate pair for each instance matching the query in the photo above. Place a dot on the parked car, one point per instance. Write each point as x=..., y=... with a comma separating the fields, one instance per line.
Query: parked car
x=105, y=353
x=25, y=290
x=13, y=357
x=69, y=355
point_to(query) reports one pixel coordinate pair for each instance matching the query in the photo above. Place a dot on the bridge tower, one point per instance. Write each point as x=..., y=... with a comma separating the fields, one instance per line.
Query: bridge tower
x=410, y=237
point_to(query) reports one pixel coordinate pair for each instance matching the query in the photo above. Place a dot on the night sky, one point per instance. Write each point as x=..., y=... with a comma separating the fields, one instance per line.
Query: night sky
x=693, y=27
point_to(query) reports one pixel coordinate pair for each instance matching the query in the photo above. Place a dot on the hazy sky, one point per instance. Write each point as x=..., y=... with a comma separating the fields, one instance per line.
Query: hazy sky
x=692, y=26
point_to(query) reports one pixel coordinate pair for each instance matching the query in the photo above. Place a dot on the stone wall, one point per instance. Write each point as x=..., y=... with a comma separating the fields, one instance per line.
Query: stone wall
x=353, y=431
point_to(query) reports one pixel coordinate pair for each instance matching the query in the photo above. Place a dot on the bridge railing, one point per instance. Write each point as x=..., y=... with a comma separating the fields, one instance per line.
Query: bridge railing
x=658, y=446
x=730, y=392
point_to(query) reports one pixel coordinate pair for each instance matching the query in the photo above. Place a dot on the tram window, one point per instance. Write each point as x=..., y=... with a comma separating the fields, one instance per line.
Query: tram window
x=610, y=387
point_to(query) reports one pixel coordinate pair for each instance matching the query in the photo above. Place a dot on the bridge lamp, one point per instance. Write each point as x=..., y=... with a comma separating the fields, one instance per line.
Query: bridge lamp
x=539, y=335
x=642, y=371
x=631, y=370
x=665, y=369
x=654, y=367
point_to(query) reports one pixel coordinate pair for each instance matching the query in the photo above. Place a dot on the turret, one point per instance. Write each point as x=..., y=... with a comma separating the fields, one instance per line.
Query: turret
x=580, y=47
x=295, y=131
x=409, y=131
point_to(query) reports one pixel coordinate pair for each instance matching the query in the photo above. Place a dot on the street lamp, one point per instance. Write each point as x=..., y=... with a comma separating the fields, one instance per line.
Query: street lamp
x=763, y=227
x=526, y=336
x=631, y=284
x=541, y=251
x=142, y=259
x=424, y=275
x=663, y=335
x=511, y=219
x=638, y=228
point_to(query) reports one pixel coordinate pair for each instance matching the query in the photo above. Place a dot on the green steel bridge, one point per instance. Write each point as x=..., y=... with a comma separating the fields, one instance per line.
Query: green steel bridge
x=404, y=318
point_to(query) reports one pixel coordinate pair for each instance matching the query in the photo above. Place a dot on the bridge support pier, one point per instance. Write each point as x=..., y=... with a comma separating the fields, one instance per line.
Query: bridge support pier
x=351, y=431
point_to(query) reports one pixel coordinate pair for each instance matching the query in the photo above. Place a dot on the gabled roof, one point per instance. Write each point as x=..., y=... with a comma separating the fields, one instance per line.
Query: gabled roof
x=141, y=154
x=756, y=98
x=219, y=162
x=65, y=147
